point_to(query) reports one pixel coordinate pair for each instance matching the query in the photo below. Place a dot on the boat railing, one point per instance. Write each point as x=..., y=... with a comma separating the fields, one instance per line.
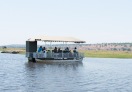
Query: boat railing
x=62, y=55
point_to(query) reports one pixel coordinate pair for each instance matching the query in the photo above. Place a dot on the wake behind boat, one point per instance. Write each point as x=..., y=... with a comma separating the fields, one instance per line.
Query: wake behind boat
x=53, y=55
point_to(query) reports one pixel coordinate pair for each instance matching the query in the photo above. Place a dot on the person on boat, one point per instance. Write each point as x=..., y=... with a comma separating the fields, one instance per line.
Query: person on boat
x=75, y=50
x=40, y=49
x=44, y=51
x=55, y=50
x=67, y=49
x=59, y=50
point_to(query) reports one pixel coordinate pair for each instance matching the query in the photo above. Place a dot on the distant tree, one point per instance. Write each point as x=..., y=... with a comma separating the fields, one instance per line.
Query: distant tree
x=124, y=49
x=105, y=44
x=115, y=49
x=128, y=49
x=130, y=45
x=4, y=47
x=89, y=49
x=125, y=45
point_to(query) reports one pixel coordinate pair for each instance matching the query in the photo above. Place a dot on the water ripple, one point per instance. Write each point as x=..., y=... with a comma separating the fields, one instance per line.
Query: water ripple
x=92, y=75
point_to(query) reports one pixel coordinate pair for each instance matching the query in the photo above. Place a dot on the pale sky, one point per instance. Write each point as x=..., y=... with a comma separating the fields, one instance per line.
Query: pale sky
x=95, y=21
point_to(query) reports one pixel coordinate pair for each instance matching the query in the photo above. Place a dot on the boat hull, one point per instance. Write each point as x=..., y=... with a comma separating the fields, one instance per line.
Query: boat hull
x=63, y=61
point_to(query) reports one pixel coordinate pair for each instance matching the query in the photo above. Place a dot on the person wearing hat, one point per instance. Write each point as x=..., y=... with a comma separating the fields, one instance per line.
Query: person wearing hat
x=75, y=50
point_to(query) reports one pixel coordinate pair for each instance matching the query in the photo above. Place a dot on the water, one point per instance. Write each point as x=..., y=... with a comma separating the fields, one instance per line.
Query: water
x=92, y=75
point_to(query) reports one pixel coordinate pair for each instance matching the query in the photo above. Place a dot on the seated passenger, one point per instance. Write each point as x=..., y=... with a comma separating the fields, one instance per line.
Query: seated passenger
x=59, y=51
x=40, y=49
x=67, y=49
x=55, y=50
x=44, y=49
x=75, y=53
x=75, y=50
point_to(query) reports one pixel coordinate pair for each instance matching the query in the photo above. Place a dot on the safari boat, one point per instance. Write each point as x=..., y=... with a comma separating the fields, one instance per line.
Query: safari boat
x=50, y=55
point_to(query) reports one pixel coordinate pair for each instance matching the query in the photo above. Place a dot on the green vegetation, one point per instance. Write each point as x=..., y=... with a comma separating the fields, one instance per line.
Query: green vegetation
x=107, y=54
x=87, y=53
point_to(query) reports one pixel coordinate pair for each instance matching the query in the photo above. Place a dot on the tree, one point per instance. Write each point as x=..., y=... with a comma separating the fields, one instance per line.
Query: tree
x=4, y=47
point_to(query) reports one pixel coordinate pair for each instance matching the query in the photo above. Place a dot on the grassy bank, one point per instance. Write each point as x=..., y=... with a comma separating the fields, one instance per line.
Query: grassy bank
x=20, y=50
x=91, y=53
x=108, y=54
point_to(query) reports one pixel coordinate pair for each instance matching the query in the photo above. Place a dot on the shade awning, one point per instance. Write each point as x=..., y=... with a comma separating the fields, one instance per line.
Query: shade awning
x=56, y=39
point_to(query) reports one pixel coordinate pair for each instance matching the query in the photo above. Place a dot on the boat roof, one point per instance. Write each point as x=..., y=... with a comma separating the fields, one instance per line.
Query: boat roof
x=55, y=39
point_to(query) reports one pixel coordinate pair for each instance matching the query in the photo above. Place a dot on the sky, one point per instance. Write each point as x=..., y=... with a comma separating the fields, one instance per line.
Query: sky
x=95, y=21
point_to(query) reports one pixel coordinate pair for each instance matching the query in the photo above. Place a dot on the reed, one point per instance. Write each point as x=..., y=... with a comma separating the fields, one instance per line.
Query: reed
x=107, y=54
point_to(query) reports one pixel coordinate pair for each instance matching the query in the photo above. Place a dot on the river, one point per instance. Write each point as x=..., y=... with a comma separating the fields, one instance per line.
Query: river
x=92, y=75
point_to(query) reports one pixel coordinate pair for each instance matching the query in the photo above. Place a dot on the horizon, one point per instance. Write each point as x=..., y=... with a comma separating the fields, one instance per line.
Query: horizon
x=72, y=44
x=92, y=21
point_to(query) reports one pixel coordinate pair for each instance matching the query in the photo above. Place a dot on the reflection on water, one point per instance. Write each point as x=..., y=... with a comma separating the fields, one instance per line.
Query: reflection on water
x=92, y=75
x=73, y=65
x=50, y=76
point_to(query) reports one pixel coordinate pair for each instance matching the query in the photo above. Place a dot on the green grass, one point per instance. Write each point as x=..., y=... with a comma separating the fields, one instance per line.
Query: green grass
x=108, y=54
x=89, y=53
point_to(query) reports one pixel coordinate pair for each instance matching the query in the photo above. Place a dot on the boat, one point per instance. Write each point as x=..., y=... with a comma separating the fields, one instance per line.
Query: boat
x=50, y=55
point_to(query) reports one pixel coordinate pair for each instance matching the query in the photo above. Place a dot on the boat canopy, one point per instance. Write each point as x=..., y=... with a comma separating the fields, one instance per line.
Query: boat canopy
x=55, y=39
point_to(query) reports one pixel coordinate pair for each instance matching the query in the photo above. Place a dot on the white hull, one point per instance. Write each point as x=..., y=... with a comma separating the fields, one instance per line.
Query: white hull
x=63, y=61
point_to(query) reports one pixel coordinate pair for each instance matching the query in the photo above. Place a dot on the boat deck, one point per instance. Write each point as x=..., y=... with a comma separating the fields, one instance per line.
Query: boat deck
x=54, y=56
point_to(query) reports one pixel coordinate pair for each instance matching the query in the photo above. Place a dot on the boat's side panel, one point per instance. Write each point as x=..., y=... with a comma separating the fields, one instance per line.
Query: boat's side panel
x=74, y=60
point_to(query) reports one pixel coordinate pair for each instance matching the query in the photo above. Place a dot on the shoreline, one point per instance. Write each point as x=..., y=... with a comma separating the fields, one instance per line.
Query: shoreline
x=87, y=53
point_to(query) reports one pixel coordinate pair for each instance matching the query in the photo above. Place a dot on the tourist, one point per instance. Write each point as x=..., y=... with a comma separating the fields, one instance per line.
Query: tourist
x=55, y=50
x=75, y=50
x=67, y=49
x=40, y=49
x=59, y=51
x=44, y=51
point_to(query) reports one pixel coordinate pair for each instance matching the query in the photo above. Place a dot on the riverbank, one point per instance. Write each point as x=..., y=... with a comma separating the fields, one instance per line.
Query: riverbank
x=13, y=50
x=87, y=53
x=107, y=54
